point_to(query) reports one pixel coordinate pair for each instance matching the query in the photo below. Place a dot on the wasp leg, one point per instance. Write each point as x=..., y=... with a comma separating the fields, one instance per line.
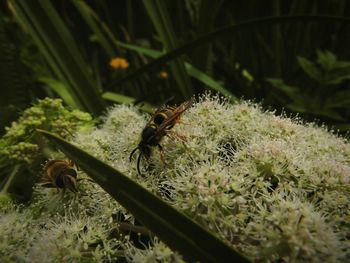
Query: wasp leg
x=132, y=153
x=161, y=151
x=173, y=135
x=70, y=183
x=138, y=164
x=182, y=122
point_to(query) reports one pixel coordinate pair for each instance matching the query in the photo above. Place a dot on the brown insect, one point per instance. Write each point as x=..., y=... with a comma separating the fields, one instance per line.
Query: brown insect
x=158, y=126
x=60, y=174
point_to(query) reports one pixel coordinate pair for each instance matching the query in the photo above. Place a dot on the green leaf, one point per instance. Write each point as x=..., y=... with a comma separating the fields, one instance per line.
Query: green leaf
x=226, y=32
x=122, y=99
x=336, y=80
x=208, y=12
x=210, y=82
x=326, y=59
x=15, y=78
x=60, y=89
x=342, y=65
x=290, y=91
x=158, y=13
x=14, y=173
x=335, y=71
x=174, y=228
x=339, y=100
x=142, y=50
x=310, y=69
x=61, y=51
x=191, y=70
x=95, y=25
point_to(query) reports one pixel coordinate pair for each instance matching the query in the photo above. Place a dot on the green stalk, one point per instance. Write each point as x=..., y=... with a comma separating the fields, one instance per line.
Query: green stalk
x=122, y=99
x=56, y=43
x=226, y=32
x=11, y=178
x=207, y=15
x=89, y=17
x=159, y=15
x=106, y=37
x=190, y=69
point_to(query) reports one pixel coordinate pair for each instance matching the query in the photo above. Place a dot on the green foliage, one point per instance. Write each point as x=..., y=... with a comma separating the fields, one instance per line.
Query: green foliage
x=62, y=53
x=225, y=40
x=121, y=99
x=60, y=89
x=221, y=34
x=191, y=70
x=327, y=70
x=17, y=80
x=160, y=17
x=323, y=94
x=21, y=146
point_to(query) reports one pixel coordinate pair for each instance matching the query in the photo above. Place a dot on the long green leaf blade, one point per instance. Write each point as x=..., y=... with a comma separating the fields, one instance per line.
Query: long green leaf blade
x=226, y=32
x=207, y=16
x=61, y=52
x=210, y=82
x=122, y=99
x=162, y=22
x=90, y=18
x=174, y=228
x=94, y=21
x=191, y=70
x=60, y=89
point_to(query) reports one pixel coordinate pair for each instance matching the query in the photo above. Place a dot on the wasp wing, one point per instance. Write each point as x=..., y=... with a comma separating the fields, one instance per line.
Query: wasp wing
x=178, y=111
x=155, y=113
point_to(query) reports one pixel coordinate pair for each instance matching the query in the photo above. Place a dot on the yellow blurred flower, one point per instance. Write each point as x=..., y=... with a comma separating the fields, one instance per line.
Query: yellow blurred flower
x=119, y=63
x=163, y=74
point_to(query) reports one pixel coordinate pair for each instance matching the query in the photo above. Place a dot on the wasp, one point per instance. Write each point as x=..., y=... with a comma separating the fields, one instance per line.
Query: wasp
x=60, y=174
x=157, y=127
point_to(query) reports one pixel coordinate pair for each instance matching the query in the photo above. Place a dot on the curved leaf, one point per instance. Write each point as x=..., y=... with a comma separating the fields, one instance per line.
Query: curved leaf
x=226, y=32
x=60, y=89
x=191, y=70
x=161, y=20
x=61, y=51
x=174, y=228
x=122, y=99
x=310, y=69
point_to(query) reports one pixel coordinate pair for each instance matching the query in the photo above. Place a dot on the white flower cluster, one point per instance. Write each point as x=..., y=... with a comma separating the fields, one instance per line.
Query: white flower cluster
x=273, y=187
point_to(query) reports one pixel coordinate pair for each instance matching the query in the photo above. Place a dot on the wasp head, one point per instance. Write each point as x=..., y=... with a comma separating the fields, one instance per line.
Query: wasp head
x=60, y=174
x=67, y=179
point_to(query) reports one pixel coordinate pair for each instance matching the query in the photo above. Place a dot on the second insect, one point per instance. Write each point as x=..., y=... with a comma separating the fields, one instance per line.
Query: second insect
x=158, y=126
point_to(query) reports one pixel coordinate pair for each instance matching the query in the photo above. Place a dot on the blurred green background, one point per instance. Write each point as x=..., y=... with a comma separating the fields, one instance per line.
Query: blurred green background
x=291, y=56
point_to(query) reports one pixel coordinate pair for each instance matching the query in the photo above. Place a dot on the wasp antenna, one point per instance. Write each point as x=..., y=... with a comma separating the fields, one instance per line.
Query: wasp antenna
x=138, y=163
x=132, y=153
x=190, y=102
